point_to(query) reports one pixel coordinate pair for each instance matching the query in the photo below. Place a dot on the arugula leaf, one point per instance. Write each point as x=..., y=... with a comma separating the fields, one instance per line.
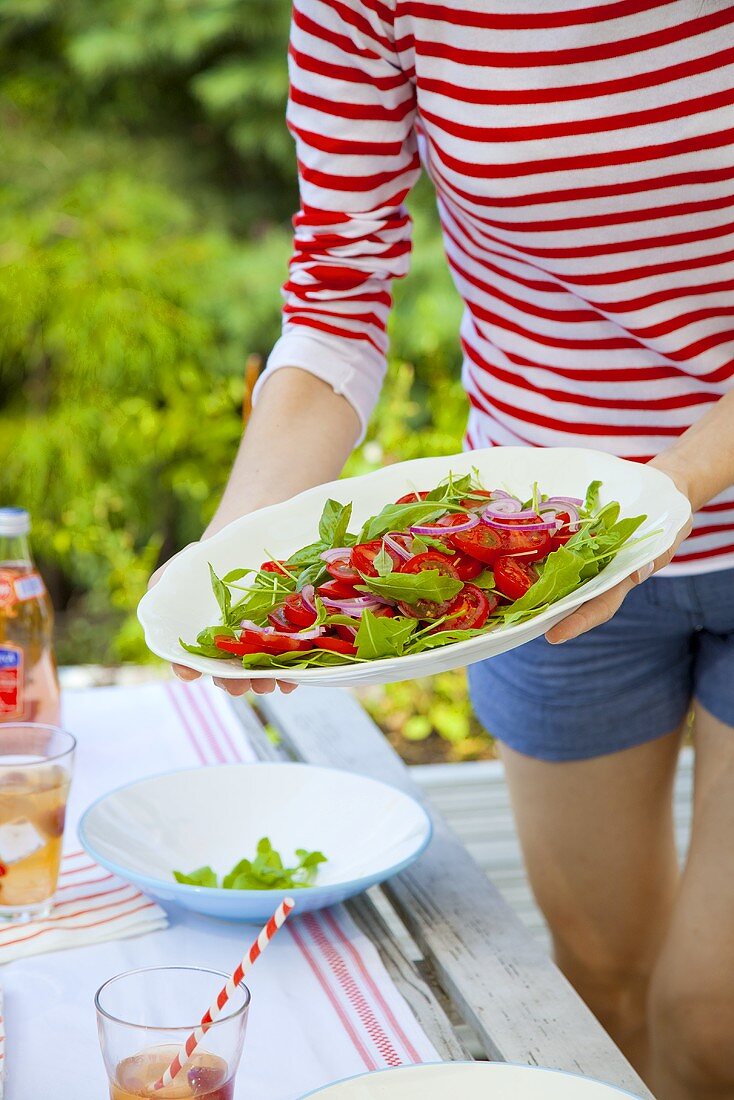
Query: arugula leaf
x=236, y=575
x=266, y=591
x=442, y=637
x=334, y=523
x=591, y=503
x=221, y=592
x=560, y=575
x=485, y=579
x=398, y=517
x=202, y=876
x=265, y=872
x=421, y=543
x=205, y=646
x=429, y=584
x=383, y=562
x=310, y=658
x=379, y=636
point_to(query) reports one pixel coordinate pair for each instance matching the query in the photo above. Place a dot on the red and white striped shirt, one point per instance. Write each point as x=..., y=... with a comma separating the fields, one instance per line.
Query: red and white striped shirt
x=583, y=159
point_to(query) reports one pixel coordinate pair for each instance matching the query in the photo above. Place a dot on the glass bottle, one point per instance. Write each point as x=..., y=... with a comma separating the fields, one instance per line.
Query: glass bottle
x=29, y=686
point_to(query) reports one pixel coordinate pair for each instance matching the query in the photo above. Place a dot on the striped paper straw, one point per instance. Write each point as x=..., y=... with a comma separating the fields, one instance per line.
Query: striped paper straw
x=222, y=998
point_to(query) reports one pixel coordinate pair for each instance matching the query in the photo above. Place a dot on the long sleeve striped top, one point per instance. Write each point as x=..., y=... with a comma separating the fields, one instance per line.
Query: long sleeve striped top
x=583, y=159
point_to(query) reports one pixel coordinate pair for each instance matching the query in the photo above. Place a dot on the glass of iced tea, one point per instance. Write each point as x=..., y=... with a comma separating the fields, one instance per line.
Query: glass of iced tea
x=145, y=1016
x=35, y=774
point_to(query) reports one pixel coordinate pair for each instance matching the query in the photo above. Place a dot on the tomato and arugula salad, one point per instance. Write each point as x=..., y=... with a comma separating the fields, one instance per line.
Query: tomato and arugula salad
x=435, y=567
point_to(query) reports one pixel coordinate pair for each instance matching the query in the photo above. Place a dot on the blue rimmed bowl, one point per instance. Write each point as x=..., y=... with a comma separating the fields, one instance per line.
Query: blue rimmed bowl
x=186, y=819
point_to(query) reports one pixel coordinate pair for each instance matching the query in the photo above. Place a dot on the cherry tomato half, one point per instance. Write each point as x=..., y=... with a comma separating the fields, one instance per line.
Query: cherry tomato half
x=478, y=499
x=273, y=643
x=481, y=542
x=451, y=519
x=338, y=590
x=342, y=569
x=470, y=609
x=530, y=545
x=273, y=567
x=563, y=534
x=277, y=619
x=467, y=567
x=335, y=645
x=364, y=554
x=412, y=498
x=513, y=577
x=234, y=645
x=427, y=609
x=296, y=611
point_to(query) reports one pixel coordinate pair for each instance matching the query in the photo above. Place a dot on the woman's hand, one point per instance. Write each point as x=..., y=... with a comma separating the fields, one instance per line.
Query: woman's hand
x=602, y=608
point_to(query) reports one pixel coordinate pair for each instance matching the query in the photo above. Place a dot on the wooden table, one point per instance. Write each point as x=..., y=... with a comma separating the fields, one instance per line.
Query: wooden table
x=458, y=953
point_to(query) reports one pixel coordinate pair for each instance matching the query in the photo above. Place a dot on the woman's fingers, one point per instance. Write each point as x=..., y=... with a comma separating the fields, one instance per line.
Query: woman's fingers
x=259, y=687
x=185, y=673
x=601, y=608
x=591, y=614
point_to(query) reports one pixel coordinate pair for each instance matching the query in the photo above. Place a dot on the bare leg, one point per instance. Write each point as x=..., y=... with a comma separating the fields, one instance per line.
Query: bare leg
x=598, y=841
x=692, y=996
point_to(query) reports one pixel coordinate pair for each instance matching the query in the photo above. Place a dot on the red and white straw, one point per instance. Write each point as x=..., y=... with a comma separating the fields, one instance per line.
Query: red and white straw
x=225, y=993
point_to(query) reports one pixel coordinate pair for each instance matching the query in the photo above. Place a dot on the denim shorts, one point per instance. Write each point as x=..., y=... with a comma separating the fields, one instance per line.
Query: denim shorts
x=623, y=683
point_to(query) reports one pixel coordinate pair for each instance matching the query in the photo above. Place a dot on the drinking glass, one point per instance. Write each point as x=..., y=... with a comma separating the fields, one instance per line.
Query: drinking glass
x=145, y=1016
x=35, y=774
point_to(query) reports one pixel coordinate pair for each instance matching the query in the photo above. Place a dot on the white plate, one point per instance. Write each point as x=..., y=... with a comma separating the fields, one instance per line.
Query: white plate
x=216, y=815
x=469, y=1081
x=182, y=603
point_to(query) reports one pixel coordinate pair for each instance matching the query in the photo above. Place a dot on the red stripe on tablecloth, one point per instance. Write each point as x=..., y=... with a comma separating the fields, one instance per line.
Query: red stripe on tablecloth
x=203, y=722
x=343, y=1018
x=338, y=931
x=80, y=927
x=90, y=897
x=347, y=980
x=86, y=882
x=185, y=723
x=208, y=702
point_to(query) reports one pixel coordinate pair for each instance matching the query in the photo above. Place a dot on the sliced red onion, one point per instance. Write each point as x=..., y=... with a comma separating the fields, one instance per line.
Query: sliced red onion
x=576, y=501
x=353, y=606
x=554, y=506
x=307, y=595
x=273, y=632
x=392, y=543
x=514, y=511
x=336, y=552
x=541, y=525
x=436, y=530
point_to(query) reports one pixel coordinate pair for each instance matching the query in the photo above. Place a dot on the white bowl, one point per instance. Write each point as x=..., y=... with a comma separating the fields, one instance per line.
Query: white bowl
x=182, y=603
x=187, y=819
x=469, y=1081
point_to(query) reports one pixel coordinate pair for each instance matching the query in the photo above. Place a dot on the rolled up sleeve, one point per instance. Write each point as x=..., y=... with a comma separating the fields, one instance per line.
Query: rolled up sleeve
x=351, y=110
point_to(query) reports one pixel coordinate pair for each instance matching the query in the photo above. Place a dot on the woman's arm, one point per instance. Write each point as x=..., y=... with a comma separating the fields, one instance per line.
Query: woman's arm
x=701, y=463
x=300, y=434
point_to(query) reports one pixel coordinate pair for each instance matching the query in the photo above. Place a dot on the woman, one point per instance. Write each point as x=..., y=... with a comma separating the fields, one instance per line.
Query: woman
x=583, y=160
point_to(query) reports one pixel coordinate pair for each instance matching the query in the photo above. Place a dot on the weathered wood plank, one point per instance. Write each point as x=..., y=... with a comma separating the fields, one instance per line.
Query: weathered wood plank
x=408, y=979
x=500, y=980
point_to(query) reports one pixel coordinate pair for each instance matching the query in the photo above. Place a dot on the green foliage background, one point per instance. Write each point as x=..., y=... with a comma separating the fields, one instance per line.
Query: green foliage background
x=146, y=186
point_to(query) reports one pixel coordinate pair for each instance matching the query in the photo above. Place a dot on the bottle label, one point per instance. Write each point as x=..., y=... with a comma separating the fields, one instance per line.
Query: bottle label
x=11, y=681
x=29, y=587
x=17, y=589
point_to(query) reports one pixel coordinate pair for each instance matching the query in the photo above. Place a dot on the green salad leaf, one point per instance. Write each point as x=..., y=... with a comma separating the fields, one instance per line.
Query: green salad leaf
x=411, y=588
x=265, y=872
x=379, y=636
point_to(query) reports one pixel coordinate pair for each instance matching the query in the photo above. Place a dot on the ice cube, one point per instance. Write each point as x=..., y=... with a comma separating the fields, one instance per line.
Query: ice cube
x=52, y=821
x=206, y=1073
x=18, y=840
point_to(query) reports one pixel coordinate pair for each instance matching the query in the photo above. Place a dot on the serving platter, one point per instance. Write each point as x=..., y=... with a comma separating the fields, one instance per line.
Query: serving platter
x=182, y=603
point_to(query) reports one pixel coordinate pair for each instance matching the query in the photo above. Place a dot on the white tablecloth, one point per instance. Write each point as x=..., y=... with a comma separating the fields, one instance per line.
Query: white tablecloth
x=323, y=1005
